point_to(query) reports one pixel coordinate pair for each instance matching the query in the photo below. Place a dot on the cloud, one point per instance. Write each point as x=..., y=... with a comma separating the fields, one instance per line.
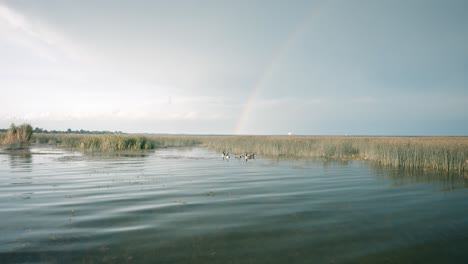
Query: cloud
x=115, y=115
x=156, y=109
x=38, y=38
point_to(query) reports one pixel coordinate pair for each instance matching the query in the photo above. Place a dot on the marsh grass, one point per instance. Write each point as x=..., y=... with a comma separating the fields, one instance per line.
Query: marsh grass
x=443, y=154
x=114, y=142
x=17, y=136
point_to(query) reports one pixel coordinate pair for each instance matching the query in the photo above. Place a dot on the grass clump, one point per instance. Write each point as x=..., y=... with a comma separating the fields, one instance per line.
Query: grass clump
x=17, y=136
x=96, y=143
x=114, y=142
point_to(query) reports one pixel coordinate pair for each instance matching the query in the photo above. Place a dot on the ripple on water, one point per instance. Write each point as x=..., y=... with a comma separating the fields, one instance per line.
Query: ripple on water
x=174, y=206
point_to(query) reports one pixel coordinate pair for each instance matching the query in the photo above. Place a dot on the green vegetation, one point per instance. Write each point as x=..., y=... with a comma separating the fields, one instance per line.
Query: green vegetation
x=17, y=136
x=443, y=154
x=114, y=142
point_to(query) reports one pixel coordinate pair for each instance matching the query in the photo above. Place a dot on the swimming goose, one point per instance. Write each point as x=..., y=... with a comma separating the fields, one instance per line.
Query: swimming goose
x=249, y=156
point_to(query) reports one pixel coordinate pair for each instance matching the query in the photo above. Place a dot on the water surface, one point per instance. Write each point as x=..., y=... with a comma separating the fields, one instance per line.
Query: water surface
x=187, y=205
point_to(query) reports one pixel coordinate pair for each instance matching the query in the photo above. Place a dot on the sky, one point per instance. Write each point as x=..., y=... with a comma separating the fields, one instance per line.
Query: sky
x=354, y=67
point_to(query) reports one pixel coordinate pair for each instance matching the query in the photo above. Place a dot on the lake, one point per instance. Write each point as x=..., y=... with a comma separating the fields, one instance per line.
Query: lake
x=188, y=205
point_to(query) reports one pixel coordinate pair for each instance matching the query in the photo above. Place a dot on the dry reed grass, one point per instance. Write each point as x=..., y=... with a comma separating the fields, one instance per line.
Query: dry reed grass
x=113, y=142
x=17, y=136
x=447, y=154
x=443, y=154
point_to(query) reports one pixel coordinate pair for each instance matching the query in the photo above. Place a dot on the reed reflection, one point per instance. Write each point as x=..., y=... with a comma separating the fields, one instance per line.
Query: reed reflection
x=406, y=177
x=21, y=160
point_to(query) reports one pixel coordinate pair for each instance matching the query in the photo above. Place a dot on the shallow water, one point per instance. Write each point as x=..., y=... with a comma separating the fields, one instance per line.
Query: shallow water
x=187, y=205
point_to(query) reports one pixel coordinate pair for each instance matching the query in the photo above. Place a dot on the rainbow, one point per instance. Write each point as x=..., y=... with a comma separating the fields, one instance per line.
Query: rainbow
x=296, y=35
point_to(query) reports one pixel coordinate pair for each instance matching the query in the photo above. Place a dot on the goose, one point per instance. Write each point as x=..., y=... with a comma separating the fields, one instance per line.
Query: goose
x=249, y=156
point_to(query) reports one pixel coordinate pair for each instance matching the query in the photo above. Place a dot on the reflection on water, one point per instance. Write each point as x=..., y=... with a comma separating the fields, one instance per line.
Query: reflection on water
x=20, y=159
x=401, y=177
x=187, y=205
x=323, y=161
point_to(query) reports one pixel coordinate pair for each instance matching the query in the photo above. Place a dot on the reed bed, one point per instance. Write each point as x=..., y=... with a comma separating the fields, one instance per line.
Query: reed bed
x=447, y=154
x=443, y=154
x=114, y=142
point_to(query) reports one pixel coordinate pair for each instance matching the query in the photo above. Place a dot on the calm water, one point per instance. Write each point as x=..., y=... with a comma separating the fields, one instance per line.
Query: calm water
x=190, y=206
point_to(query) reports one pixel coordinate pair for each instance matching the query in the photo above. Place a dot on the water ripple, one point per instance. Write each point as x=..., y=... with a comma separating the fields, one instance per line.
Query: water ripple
x=173, y=206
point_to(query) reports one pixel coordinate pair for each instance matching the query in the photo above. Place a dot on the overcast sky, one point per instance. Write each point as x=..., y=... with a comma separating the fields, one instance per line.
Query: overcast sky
x=236, y=67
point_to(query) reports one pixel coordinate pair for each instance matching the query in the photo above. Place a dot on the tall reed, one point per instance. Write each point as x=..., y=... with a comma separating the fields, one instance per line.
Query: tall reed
x=17, y=136
x=114, y=142
x=447, y=154
x=443, y=154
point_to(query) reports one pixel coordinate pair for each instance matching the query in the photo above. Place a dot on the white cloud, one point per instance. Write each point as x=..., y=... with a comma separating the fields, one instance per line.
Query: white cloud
x=112, y=115
x=37, y=37
x=127, y=108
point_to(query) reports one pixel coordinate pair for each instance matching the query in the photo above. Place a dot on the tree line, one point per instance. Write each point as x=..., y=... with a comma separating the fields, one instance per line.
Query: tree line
x=69, y=131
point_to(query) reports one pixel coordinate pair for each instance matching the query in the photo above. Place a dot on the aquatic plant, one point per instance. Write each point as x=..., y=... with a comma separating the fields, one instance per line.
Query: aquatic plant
x=114, y=142
x=17, y=136
x=444, y=154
